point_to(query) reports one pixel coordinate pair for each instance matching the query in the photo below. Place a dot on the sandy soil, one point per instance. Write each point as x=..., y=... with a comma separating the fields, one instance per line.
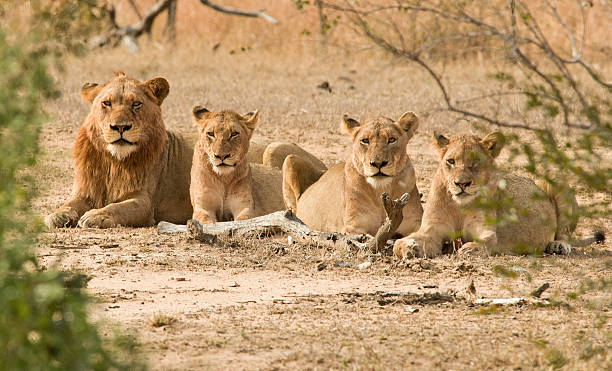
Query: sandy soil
x=263, y=303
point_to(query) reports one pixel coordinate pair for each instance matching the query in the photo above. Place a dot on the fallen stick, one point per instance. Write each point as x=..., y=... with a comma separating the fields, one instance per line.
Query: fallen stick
x=286, y=222
x=393, y=209
x=540, y=290
x=510, y=301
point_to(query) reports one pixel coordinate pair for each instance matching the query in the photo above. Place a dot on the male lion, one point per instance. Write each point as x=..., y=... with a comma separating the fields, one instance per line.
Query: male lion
x=130, y=171
x=533, y=219
x=224, y=185
x=347, y=197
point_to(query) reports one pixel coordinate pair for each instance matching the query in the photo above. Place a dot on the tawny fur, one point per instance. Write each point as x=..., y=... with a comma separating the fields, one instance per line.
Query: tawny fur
x=224, y=185
x=347, y=197
x=134, y=184
x=466, y=173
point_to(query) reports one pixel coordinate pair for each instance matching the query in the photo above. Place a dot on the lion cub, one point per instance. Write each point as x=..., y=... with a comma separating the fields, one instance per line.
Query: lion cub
x=347, y=197
x=224, y=185
x=537, y=219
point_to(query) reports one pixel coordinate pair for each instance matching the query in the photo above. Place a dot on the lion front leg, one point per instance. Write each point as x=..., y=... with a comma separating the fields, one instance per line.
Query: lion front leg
x=484, y=244
x=246, y=213
x=68, y=214
x=133, y=212
x=425, y=243
x=481, y=238
x=204, y=216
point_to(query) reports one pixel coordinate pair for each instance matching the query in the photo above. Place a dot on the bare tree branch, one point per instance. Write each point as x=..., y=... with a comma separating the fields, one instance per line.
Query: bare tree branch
x=129, y=34
x=225, y=9
x=512, y=40
x=170, y=30
x=135, y=8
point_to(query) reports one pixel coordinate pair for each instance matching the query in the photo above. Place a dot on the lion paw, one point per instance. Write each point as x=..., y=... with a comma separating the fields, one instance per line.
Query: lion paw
x=472, y=250
x=407, y=248
x=558, y=247
x=97, y=219
x=61, y=219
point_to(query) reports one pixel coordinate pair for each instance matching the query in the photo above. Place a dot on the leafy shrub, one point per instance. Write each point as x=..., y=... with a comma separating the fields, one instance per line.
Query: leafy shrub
x=43, y=313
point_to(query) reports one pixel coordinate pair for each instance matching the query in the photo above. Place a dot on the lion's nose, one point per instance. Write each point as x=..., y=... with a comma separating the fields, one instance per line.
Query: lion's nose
x=120, y=127
x=222, y=157
x=379, y=164
x=463, y=185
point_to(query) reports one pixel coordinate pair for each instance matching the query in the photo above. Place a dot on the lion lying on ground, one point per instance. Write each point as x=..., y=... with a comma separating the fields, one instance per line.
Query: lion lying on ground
x=347, y=197
x=533, y=220
x=130, y=171
x=224, y=185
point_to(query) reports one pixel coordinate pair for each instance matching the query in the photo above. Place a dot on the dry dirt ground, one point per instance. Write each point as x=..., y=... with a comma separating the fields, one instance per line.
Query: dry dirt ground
x=267, y=304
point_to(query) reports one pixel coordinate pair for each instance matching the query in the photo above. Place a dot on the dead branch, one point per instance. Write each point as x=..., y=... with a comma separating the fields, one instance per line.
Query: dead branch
x=170, y=30
x=540, y=290
x=393, y=209
x=511, y=301
x=135, y=9
x=225, y=9
x=128, y=35
x=286, y=222
x=277, y=222
x=361, y=17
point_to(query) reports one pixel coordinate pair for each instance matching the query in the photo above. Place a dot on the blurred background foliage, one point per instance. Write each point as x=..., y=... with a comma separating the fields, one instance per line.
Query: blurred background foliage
x=43, y=312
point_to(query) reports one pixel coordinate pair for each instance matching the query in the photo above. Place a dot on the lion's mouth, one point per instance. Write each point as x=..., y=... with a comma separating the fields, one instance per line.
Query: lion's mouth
x=223, y=164
x=122, y=141
x=380, y=174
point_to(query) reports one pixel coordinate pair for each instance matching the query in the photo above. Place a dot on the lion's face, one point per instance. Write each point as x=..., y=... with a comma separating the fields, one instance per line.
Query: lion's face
x=467, y=163
x=127, y=112
x=379, y=146
x=225, y=136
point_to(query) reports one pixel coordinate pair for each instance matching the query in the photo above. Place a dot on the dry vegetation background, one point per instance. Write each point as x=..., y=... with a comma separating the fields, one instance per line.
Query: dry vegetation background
x=264, y=304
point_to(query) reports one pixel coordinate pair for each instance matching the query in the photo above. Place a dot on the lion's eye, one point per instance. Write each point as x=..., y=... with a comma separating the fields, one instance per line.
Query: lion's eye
x=365, y=141
x=234, y=134
x=211, y=134
x=137, y=104
x=391, y=140
x=106, y=103
x=450, y=162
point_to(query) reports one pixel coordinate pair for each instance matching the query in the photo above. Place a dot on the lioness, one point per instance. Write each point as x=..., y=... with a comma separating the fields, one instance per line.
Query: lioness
x=347, y=197
x=535, y=220
x=224, y=185
x=130, y=171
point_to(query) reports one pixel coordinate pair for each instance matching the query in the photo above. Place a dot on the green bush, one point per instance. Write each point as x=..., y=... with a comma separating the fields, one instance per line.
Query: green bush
x=43, y=313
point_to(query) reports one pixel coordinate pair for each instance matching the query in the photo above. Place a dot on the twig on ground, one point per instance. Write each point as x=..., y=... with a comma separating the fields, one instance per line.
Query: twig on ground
x=540, y=290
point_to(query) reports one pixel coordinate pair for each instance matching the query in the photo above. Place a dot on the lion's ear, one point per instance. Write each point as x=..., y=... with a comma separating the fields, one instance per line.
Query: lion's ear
x=409, y=122
x=440, y=142
x=251, y=119
x=493, y=143
x=350, y=126
x=160, y=88
x=90, y=91
x=198, y=113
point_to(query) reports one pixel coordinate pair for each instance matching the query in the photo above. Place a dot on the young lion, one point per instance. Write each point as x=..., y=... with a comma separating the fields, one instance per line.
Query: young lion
x=130, y=171
x=347, y=197
x=224, y=186
x=534, y=221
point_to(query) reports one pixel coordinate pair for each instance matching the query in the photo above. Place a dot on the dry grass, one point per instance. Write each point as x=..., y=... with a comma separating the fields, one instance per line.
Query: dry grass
x=262, y=303
x=298, y=32
x=162, y=320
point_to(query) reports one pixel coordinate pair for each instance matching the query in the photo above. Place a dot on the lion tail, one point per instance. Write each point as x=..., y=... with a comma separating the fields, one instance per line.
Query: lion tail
x=567, y=212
